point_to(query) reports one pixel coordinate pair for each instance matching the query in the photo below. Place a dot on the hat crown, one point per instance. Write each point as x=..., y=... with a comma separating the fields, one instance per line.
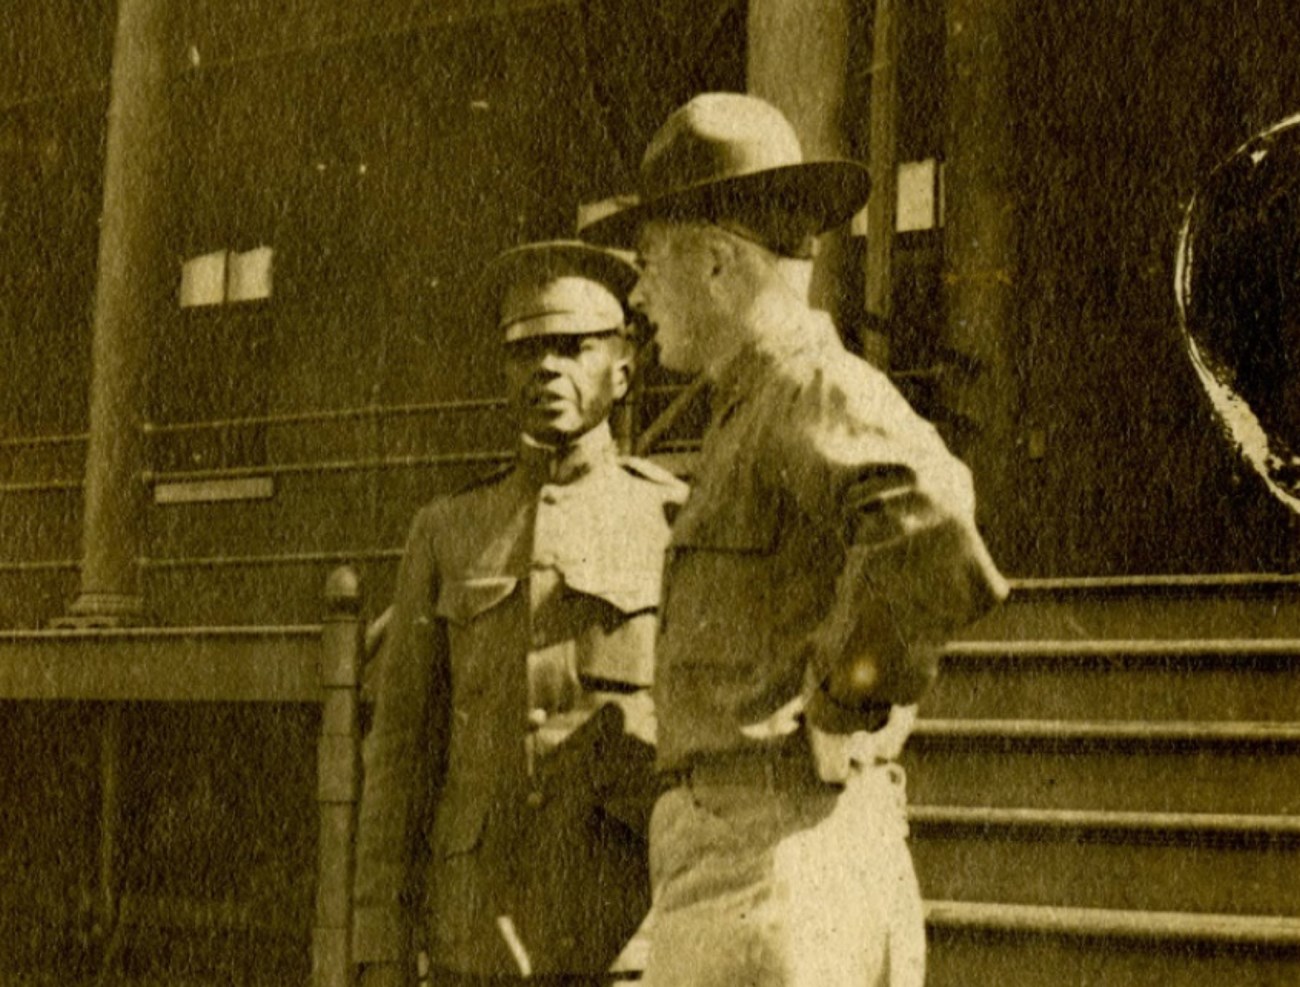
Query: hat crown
x=556, y=288
x=715, y=137
x=589, y=302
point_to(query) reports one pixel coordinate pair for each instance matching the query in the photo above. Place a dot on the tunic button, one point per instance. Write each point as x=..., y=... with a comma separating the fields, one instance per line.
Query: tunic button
x=535, y=800
x=537, y=718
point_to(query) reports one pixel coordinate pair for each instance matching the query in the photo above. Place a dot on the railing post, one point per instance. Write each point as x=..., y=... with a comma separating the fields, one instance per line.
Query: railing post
x=338, y=778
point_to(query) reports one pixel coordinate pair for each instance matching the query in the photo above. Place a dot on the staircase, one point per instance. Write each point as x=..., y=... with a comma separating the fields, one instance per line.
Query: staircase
x=1105, y=788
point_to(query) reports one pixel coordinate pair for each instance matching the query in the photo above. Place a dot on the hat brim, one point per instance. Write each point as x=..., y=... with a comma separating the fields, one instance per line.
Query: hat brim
x=552, y=258
x=828, y=193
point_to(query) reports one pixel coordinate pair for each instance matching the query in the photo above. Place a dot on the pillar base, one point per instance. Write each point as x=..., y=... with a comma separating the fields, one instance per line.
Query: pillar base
x=91, y=611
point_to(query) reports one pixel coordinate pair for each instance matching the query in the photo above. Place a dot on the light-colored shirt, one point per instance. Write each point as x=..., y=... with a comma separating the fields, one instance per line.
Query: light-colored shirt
x=827, y=521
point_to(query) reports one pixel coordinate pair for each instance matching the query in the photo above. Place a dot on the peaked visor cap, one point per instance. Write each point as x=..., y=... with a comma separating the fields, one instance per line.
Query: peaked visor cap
x=563, y=306
x=734, y=156
x=558, y=288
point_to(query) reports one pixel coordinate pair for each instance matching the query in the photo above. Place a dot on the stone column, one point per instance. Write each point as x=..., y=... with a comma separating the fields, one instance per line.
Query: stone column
x=882, y=210
x=980, y=253
x=131, y=292
x=798, y=60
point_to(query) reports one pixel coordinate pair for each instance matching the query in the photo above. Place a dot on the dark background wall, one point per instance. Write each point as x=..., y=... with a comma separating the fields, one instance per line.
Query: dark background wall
x=384, y=158
x=1117, y=112
x=1121, y=110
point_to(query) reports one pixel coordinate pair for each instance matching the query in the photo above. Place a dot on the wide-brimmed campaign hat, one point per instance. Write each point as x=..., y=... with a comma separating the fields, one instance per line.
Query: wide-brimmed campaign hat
x=733, y=156
x=556, y=288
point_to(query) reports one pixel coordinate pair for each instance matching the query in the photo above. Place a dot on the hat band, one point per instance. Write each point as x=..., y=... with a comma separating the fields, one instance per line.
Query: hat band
x=576, y=323
x=795, y=243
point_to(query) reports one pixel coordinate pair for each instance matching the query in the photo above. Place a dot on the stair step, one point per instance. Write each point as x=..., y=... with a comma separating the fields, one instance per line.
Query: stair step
x=1244, y=605
x=1235, y=768
x=1269, y=932
x=1164, y=825
x=973, y=944
x=1110, y=733
x=1146, y=679
x=1116, y=860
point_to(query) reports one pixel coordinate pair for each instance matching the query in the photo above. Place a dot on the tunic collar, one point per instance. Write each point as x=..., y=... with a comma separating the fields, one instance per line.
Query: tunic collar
x=544, y=464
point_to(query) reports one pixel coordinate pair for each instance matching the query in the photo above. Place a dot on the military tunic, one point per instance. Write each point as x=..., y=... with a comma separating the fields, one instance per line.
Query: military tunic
x=507, y=771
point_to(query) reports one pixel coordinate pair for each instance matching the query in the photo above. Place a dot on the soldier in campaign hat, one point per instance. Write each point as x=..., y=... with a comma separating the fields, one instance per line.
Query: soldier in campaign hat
x=507, y=771
x=827, y=551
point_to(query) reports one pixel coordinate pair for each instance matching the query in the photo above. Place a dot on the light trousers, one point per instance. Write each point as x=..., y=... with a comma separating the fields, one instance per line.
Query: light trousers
x=774, y=883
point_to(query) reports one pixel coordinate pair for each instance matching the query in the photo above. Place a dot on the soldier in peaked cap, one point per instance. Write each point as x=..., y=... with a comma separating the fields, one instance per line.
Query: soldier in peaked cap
x=826, y=552
x=508, y=768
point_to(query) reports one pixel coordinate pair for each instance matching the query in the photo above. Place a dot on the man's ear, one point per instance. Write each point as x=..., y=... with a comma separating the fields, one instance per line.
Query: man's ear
x=624, y=365
x=721, y=254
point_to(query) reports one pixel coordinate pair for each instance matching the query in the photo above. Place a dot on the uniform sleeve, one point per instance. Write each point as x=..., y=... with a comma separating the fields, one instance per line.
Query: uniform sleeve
x=879, y=481
x=408, y=731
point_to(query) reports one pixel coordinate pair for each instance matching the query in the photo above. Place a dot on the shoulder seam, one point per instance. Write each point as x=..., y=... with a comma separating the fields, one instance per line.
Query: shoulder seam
x=651, y=471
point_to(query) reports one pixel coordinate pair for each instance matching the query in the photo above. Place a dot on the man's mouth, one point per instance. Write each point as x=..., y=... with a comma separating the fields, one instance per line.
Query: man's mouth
x=546, y=399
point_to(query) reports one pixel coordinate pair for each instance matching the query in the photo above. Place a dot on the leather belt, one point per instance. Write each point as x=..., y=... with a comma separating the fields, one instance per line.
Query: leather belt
x=787, y=765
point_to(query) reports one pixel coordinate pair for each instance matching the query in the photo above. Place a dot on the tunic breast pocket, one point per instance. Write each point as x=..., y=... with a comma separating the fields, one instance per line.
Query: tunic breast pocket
x=739, y=535
x=480, y=625
x=724, y=584
x=616, y=646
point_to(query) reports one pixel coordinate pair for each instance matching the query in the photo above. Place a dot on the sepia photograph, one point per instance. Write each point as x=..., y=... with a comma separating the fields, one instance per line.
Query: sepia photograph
x=649, y=493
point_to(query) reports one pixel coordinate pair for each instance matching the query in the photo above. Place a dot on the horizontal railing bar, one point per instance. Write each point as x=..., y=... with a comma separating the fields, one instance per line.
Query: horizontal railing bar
x=32, y=441
x=457, y=14
x=328, y=466
x=206, y=632
x=40, y=565
x=326, y=415
x=41, y=486
x=286, y=558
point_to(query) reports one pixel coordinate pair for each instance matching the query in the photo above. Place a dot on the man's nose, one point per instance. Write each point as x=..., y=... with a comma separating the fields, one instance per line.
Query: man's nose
x=548, y=364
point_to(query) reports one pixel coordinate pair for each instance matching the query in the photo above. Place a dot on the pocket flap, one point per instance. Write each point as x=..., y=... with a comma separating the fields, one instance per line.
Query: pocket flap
x=630, y=591
x=462, y=600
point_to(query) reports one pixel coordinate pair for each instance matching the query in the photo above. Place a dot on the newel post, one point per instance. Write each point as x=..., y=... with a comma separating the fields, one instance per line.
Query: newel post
x=338, y=778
